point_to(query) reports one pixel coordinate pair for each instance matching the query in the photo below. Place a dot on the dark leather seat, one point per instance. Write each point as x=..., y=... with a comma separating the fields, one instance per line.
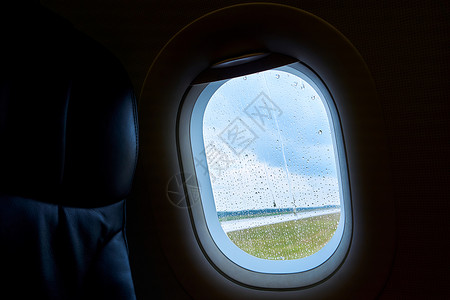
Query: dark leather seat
x=68, y=150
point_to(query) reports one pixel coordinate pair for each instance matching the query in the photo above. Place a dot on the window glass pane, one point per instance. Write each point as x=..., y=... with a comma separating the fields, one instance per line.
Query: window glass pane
x=272, y=166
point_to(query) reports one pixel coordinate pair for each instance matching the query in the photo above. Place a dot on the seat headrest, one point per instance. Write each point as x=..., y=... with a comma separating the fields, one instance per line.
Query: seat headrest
x=68, y=123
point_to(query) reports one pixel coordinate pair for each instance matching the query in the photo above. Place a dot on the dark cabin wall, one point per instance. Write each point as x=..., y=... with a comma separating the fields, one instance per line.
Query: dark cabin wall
x=406, y=45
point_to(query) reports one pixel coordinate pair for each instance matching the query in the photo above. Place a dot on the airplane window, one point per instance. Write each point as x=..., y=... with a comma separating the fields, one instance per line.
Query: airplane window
x=272, y=164
x=265, y=149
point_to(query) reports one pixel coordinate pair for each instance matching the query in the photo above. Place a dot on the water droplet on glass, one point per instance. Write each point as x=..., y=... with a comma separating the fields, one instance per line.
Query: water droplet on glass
x=313, y=97
x=319, y=132
x=245, y=77
x=277, y=76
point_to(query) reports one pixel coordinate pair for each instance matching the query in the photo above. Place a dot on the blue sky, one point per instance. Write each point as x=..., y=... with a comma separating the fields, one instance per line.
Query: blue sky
x=288, y=159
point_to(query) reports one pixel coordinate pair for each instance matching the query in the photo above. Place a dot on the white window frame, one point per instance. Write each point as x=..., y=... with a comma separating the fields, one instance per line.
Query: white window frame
x=235, y=262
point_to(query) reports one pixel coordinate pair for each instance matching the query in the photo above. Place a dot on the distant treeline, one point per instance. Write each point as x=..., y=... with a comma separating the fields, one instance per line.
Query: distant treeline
x=252, y=213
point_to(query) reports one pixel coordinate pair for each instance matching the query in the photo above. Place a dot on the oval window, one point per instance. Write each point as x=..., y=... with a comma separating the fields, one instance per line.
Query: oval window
x=254, y=137
x=267, y=162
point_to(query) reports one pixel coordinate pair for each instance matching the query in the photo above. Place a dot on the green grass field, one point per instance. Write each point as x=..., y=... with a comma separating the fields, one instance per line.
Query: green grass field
x=287, y=240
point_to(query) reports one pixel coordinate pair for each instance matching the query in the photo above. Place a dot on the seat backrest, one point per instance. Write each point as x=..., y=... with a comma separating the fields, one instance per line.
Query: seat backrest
x=68, y=150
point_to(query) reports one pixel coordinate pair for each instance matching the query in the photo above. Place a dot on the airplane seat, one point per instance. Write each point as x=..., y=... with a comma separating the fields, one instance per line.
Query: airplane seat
x=68, y=151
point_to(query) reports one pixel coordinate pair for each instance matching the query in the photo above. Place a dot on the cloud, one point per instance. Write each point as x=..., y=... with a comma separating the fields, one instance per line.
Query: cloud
x=268, y=143
x=248, y=183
